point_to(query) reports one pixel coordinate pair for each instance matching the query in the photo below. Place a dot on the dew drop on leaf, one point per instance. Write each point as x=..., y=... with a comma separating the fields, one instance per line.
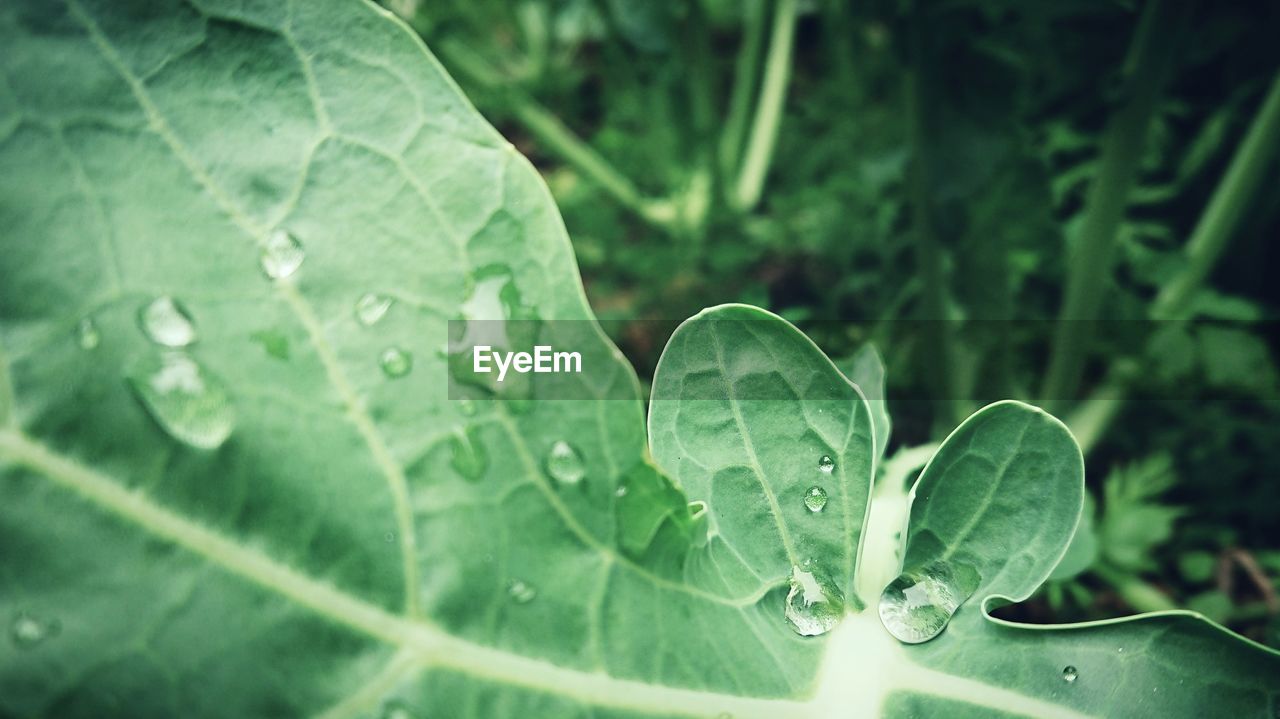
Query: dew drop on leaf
x=281, y=255
x=395, y=362
x=826, y=464
x=814, y=605
x=521, y=592
x=27, y=631
x=467, y=407
x=167, y=323
x=396, y=710
x=189, y=404
x=917, y=606
x=815, y=499
x=389, y=537
x=370, y=308
x=87, y=335
x=469, y=457
x=564, y=464
x=1069, y=674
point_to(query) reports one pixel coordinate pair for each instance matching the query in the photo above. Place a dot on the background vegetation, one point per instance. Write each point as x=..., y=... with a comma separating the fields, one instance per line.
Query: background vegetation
x=947, y=180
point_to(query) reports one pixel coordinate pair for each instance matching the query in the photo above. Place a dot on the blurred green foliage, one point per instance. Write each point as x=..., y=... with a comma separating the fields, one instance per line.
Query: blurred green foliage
x=935, y=161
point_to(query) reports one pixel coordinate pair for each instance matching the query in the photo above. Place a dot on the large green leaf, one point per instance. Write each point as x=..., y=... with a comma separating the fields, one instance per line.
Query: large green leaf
x=232, y=483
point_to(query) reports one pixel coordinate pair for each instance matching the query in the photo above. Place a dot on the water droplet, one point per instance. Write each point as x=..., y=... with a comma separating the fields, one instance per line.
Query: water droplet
x=395, y=362
x=1069, y=674
x=565, y=464
x=826, y=464
x=389, y=537
x=815, y=499
x=281, y=255
x=28, y=631
x=814, y=605
x=520, y=591
x=166, y=322
x=469, y=457
x=917, y=605
x=396, y=709
x=87, y=335
x=621, y=491
x=190, y=405
x=370, y=308
x=493, y=314
x=467, y=407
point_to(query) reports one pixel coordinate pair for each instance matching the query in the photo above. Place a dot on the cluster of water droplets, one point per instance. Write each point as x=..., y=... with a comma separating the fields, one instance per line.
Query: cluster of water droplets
x=521, y=592
x=185, y=400
x=918, y=604
x=815, y=497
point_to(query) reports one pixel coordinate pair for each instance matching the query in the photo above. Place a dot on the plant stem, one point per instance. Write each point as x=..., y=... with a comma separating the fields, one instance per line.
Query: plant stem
x=553, y=133
x=1133, y=590
x=929, y=256
x=1089, y=264
x=773, y=91
x=1222, y=215
x=744, y=86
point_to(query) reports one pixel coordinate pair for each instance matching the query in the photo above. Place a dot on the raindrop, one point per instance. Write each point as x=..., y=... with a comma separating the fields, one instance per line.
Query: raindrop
x=826, y=464
x=28, y=631
x=469, y=457
x=494, y=314
x=395, y=362
x=189, y=404
x=467, y=407
x=520, y=591
x=621, y=491
x=87, y=335
x=917, y=606
x=281, y=255
x=565, y=464
x=370, y=308
x=396, y=710
x=815, y=499
x=814, y=605
x=166, y=322
x=389, y=537
x=1069, y=674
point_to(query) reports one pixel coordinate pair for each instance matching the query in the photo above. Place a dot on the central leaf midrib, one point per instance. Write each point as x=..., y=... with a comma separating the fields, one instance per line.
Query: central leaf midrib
x=435, y=647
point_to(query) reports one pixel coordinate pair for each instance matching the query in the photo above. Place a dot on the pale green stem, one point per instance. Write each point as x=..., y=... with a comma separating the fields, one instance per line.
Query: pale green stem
x=1222, y=216
x=773, y=92
x=744, y=86
x=1089, y=420
x=1133, y=590
x=929, y=254
x=1089, y=265
x=558, y=138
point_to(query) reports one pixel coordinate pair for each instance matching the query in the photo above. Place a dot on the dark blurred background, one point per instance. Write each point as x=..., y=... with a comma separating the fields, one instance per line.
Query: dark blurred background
x=990, y=167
